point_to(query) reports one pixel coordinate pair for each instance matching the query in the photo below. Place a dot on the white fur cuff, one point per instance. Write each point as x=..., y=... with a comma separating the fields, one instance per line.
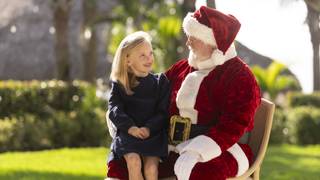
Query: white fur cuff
x=205, y=146
x=241, y=158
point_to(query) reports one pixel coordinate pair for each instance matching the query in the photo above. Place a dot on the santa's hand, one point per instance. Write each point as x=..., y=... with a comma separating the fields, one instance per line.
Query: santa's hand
x=185, y=163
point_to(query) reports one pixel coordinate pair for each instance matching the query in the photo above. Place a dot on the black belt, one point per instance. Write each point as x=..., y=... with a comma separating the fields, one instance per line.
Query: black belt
x=181, y=130
x=197, y=130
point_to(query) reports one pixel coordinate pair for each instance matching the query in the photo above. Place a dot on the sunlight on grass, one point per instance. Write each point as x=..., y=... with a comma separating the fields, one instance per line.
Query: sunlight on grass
x=83, y=163
x=285, y=162
x=289, y=162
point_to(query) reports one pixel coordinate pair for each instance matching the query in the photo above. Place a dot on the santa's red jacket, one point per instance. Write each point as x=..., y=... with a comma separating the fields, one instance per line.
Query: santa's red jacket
x=223, y=96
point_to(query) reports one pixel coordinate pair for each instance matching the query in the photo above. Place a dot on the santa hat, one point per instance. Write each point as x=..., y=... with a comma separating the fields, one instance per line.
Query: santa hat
x=212, y=27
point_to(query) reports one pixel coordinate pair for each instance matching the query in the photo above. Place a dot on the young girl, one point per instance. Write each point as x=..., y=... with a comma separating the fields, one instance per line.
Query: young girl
x=138, y=109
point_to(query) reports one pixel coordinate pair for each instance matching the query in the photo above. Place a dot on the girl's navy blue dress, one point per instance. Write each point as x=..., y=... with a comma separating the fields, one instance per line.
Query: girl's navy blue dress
x=147, y=107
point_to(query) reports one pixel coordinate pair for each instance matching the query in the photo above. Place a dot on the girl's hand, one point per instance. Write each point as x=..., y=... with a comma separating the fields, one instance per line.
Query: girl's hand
x=136, y=132
x=145, y=132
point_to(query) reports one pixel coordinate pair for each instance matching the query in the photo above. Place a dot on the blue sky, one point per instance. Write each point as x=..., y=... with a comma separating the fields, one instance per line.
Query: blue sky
x=275, y=30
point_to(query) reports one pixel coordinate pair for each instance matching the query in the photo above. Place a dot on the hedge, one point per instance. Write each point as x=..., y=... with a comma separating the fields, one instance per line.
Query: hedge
x=305, y=125
x=43, y=115
x=297, y=99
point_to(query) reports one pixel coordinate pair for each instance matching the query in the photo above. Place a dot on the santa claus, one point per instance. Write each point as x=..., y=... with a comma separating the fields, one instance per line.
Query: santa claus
x=217, y=91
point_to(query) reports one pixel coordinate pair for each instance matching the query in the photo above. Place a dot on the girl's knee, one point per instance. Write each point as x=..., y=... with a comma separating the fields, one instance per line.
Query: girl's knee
x=133, y=160
x=151, y=167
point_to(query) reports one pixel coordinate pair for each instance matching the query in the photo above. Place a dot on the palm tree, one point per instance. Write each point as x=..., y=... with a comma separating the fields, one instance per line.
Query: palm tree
x=61, y=9
x=313, y=19
x=155, y=16
x=272, y=81
x=211, y=3
x=89, y=40
x=162, y=19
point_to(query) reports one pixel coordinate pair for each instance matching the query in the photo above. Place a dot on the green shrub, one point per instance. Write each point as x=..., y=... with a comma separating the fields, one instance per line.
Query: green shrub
x=280, y=131
x=65, y=129
x=7, y=127
x=62, y=129
x=298, y=99
x=298, y=122
x=305, y=125
x=93, y=128
x=17, y=98
x=24, y=133
x=42, y=115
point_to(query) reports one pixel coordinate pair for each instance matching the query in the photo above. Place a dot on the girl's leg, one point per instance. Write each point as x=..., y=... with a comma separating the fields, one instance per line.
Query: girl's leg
x=151, y=167
x=134, y=166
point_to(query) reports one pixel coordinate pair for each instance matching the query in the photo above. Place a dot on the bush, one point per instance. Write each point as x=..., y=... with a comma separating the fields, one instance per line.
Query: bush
x=93, y=128
x=62, y=129
x=298, y=123
x=36, y=97
x=24, y=133
x=279, y=132
x=305, y=125
x=298, y=99
x=7, y=127
x=53, y=114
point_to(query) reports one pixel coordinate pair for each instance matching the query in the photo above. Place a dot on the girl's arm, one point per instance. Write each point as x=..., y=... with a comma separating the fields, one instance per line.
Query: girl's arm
x=160, y=119
x=116, y=107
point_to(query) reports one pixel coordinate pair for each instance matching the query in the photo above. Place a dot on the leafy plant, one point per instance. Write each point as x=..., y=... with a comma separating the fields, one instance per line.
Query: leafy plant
x=272, y=80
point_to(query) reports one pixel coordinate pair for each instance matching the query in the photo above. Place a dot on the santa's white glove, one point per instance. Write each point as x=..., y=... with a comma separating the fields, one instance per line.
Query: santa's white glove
x=185, y=163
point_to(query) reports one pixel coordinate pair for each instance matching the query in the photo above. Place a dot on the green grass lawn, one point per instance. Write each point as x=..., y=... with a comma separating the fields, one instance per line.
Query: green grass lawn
x=282, y=162
x=292, y=163
x=62, y=164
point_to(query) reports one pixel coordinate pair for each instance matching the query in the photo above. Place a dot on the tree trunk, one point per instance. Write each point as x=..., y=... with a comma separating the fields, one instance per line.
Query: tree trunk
x=61, y=18
x=90, y=58
x=89, y=41
x=313, y=23
x=187, y=6
x=212, y=4
x=315, y=4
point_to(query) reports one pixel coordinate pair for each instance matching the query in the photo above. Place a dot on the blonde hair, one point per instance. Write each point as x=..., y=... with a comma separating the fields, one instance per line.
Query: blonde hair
x=120, y=72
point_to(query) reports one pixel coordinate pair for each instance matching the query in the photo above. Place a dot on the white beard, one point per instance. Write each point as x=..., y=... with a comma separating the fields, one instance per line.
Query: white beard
x=193, y=59
x=217, y=58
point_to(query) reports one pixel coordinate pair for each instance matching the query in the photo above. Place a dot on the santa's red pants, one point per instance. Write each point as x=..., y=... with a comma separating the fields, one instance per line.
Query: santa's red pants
x=219, y=168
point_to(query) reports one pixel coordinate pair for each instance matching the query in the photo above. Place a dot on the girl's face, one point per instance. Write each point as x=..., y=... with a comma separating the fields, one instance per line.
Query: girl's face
x=140, y=59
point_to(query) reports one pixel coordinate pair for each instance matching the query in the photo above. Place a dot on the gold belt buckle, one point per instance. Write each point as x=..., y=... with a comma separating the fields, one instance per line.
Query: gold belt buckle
x=179, y=130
